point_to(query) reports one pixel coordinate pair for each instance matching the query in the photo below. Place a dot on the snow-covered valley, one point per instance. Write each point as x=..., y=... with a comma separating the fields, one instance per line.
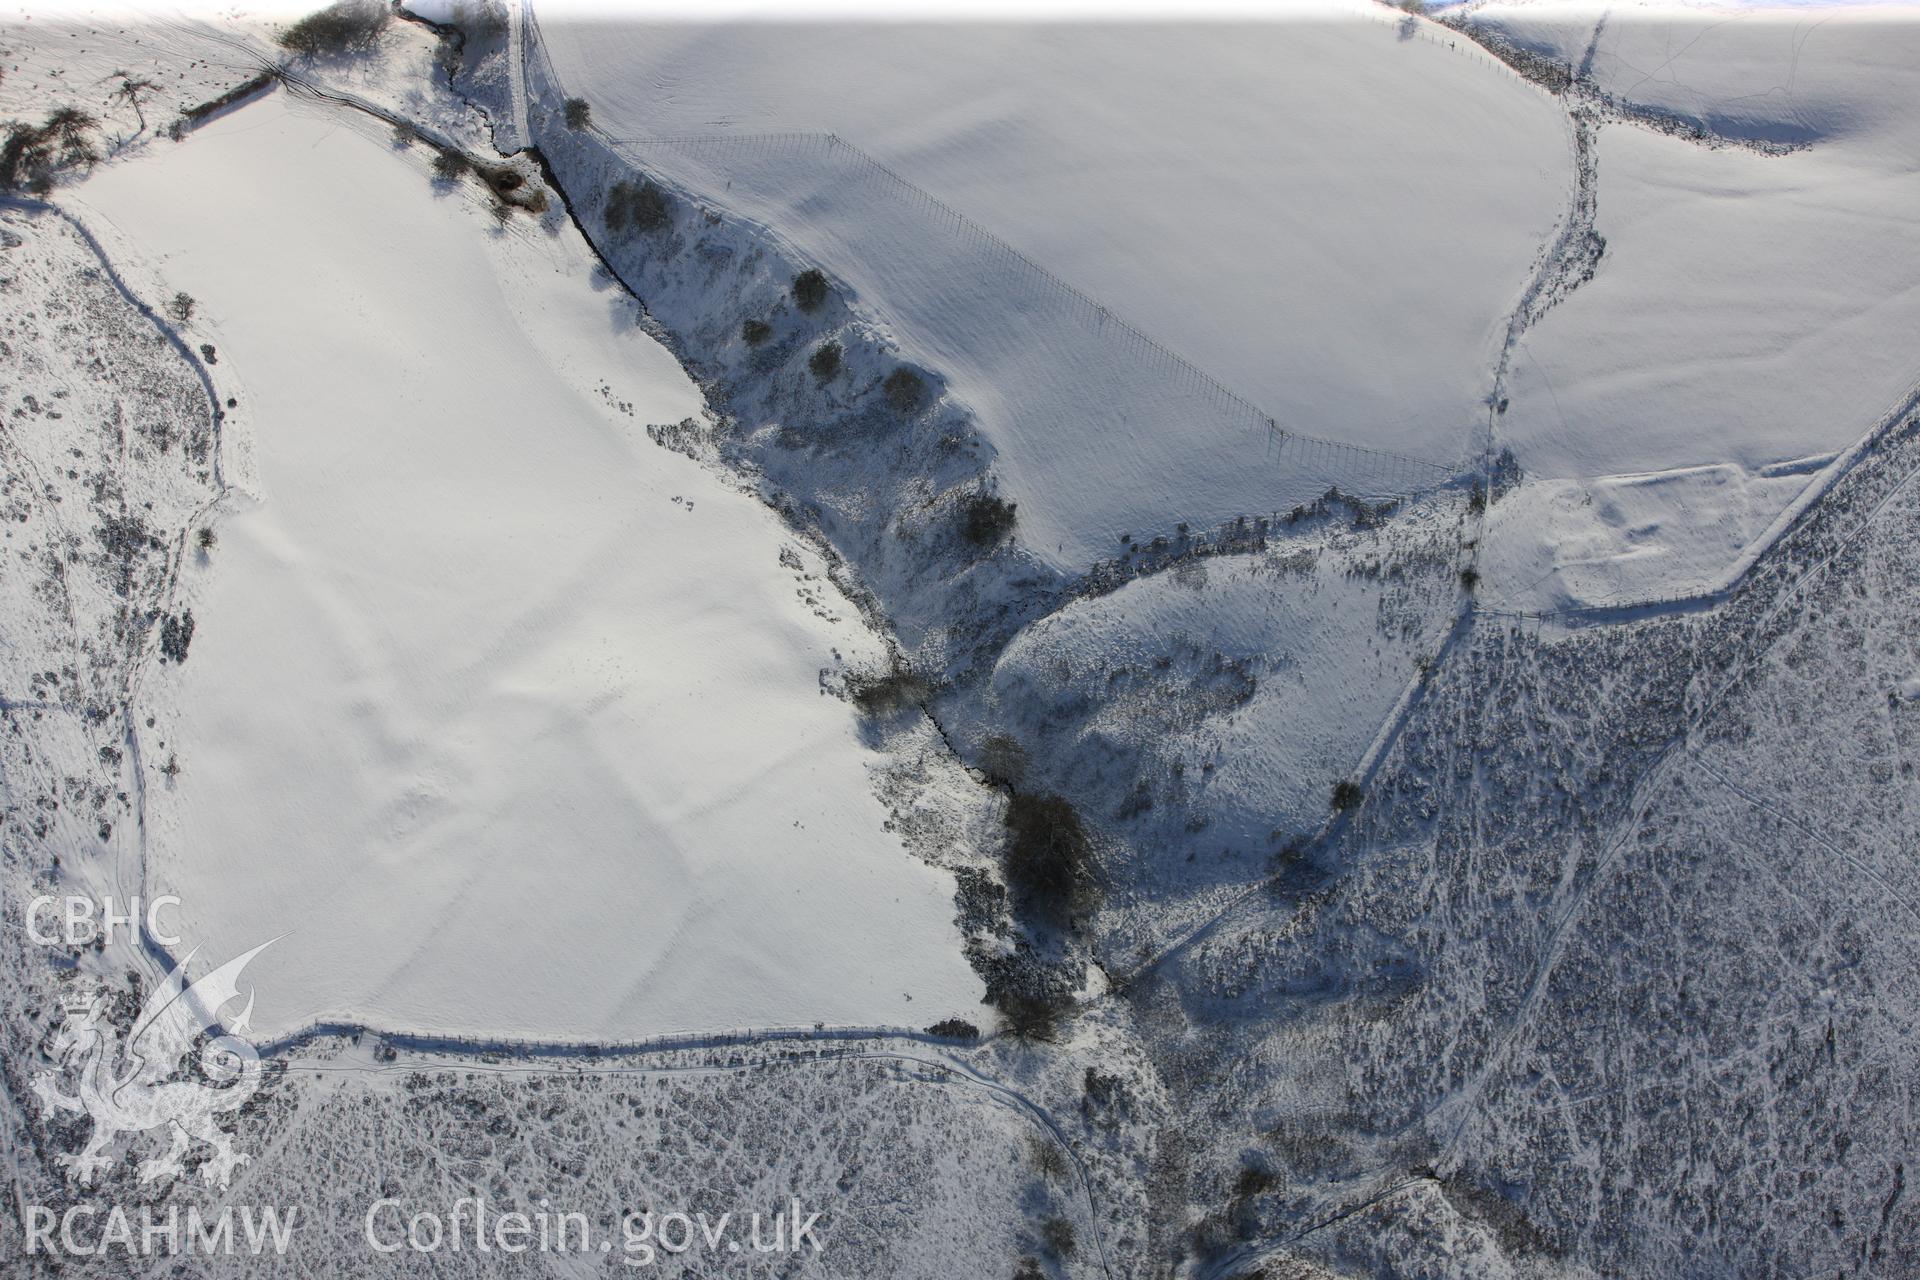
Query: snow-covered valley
x=728, y=593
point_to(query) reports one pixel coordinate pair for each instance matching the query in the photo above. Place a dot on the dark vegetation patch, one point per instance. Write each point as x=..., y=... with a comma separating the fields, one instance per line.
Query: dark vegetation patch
x=1048, y=858
x=202, y=112
x=351, y=26
x=643, y=208
x=810, y=290
x=986, y=518
x=954, y=1029
x=1365, y=515
x=176, y=633
x=884, y=693
x=34, y=153
x=450, y=164
x=1032, y=1016
x=905, y=390
x=825, y=360
x=1003, y=760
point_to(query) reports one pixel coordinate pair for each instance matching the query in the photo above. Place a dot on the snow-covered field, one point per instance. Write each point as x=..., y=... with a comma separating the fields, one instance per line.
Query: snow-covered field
x=1752, y=313
x=508, y=718
x=1330, y=219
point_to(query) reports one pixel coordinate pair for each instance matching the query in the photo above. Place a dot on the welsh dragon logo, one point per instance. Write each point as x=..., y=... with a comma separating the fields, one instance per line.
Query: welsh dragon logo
x=139, y=1085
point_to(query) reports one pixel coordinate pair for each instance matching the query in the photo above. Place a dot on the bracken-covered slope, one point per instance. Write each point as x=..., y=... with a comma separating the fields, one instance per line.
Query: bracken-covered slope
x=1618, y=955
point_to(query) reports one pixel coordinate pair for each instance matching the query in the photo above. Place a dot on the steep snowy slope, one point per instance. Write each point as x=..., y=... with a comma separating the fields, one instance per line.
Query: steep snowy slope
x=487, y=691
x=1753, y=314
x=1329, y=217
x=1203, y=715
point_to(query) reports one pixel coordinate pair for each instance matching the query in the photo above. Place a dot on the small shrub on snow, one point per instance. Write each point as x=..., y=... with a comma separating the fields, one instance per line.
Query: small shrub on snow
x=350, y=26
x=23, y=146
x=954, y=1029
x=810, y=290
x=754, y=332
x=511, y=188
x=905, y=389
x=1346, y=794
x=579, y=114
x=180, y=309
x=986, y=518
x=825, y=360
x=176, y=633
x=1048, y=1159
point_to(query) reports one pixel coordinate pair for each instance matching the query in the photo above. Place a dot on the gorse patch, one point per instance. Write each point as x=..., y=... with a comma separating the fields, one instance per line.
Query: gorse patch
x=644, y=208
x=905, y=389
x=825, y=360
x=986, y=518
x=810, y=289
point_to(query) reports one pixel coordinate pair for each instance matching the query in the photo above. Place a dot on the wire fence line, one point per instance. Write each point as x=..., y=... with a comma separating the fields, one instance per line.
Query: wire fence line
x=1378, y=471
x=1417, y=473
x=832, y=175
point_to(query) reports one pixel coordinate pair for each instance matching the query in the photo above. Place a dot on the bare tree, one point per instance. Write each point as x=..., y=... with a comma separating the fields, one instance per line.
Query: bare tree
x=132, y=90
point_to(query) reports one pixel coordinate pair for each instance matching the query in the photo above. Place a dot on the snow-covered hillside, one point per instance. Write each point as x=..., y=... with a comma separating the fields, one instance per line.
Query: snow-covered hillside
x=483, y=680
x=1204, y=715
x=1326, y=215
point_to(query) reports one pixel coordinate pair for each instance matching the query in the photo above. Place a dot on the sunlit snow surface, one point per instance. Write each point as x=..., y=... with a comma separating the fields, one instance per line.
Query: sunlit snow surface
x=507, y=718
x=1329, y=217
x=1752, y=312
